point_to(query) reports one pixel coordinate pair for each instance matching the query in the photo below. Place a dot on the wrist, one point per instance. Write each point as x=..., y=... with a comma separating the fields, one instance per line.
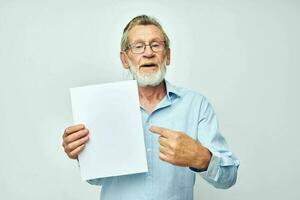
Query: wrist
x=202, y=159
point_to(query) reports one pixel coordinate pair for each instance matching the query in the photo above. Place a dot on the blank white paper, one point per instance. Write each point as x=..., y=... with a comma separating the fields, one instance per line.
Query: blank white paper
x=111, y=113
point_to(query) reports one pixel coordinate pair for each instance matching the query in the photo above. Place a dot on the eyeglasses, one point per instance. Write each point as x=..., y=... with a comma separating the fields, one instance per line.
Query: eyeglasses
x=139, y=47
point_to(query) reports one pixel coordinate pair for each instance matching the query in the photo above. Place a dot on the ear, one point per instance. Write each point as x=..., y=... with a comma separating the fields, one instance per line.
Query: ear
x=123, y=57
x=168, y=54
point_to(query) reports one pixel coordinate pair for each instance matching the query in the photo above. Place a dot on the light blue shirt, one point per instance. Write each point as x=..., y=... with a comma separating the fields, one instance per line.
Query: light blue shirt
x=180, y=110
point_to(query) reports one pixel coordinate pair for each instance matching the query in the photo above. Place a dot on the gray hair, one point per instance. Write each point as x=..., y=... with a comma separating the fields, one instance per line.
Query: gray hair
x=141, y=20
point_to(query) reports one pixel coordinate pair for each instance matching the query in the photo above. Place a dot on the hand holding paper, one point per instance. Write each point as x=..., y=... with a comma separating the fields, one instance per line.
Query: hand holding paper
x=74, y=139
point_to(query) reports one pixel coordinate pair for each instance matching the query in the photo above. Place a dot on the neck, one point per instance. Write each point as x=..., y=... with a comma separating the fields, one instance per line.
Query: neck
x=150, y=96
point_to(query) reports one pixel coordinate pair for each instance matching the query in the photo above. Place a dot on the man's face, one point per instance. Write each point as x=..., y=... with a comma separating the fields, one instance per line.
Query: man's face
x=149, y=67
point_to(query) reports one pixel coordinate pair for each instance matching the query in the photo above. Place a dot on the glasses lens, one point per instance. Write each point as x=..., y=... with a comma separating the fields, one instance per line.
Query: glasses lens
x=138, y=47
x=157, y=46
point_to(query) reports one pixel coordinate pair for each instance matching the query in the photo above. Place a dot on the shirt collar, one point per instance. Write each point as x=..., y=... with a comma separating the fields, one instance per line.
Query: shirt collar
x=172, y=91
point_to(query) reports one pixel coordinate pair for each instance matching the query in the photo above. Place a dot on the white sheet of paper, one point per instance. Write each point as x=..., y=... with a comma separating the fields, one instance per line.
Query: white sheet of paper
x=112, y=115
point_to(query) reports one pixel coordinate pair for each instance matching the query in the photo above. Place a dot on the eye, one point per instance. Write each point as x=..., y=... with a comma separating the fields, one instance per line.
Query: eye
x=138, y=45
x=155, y=44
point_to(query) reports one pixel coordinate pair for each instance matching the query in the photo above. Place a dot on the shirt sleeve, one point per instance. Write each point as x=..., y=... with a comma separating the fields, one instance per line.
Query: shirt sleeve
x=223, y=166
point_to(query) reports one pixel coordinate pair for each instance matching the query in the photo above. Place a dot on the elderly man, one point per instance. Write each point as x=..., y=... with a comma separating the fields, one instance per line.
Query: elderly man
x=180, y=127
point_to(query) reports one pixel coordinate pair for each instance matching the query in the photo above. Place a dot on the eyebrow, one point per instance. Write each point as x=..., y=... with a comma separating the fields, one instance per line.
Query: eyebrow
x=152, y=40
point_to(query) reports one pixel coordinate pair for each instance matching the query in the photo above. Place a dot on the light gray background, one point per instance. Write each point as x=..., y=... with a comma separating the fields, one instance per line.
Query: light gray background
x=243, y=55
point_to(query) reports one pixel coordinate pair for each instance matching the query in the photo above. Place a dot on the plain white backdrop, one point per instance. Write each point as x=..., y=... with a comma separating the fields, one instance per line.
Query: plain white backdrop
x=243, y=55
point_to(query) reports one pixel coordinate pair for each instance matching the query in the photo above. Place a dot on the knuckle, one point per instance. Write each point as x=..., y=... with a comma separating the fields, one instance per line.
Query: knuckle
x=160, y=148
x=178, y=136
x=79, y=142
x=66, y=130
x=159, y=140
x=66, y=140
x=71, y=155
x=83, y=132
x=76, y=135
x=161, y=156
x=81, y=147
x=172, y=154
x=69, y=147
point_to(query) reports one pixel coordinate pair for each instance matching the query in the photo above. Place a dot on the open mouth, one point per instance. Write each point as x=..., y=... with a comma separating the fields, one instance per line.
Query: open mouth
x=148, y=65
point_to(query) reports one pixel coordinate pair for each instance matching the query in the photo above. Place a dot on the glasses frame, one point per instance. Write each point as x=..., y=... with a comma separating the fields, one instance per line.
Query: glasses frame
x=145, y=45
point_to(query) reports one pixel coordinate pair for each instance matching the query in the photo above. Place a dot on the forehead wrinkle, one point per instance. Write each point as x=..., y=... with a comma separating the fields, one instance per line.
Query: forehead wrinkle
x=144, y=33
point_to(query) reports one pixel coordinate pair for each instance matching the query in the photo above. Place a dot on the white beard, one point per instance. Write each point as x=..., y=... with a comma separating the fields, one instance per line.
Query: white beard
x=152, y=79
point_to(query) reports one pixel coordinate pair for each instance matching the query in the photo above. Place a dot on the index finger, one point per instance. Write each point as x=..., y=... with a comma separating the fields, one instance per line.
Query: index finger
x=72, y=129
x=161, y=131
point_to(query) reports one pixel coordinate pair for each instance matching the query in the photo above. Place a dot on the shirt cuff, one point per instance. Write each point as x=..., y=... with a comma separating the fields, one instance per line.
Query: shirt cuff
x=212, y=171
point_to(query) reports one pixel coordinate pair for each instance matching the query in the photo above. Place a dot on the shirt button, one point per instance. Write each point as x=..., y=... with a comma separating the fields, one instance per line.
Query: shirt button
x=148, y=149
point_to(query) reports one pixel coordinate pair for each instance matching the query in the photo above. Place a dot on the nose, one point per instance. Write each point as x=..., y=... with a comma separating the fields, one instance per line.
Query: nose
x=148, y=51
